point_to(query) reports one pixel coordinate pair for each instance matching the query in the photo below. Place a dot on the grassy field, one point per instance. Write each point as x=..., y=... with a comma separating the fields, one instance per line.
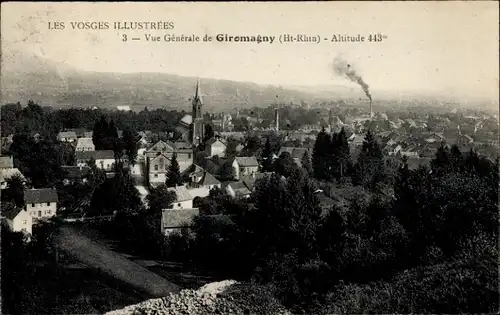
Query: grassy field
x=112, y=264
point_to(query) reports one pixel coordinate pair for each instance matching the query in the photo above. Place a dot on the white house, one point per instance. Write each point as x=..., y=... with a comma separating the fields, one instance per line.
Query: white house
x=41, y=203
x=104, y=159
x=85, y=144
x=67, y=136
x=18, y=219
x=157, y=169
x=199, y=177
x=215, y=146
x=184, y=199
x=245, y=166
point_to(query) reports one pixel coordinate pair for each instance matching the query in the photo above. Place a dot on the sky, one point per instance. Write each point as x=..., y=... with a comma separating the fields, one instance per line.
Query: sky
x=430, y=46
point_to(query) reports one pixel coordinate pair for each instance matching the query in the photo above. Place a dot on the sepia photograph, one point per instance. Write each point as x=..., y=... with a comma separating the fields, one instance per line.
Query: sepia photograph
x=249, y=158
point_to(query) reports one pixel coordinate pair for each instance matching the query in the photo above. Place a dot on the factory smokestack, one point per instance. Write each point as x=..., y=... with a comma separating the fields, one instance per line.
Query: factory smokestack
x=343, y=68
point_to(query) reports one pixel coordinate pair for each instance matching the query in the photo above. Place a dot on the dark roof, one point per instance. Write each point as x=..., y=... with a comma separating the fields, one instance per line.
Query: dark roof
x=11, y=212
x=40, y=195
x=296, y=153
x=75, y=171
x=96, y=155
x=209, y=179
x=6, y=162
x=215, y=139
x=239, y=188
x=246, y=161
x=178, y=218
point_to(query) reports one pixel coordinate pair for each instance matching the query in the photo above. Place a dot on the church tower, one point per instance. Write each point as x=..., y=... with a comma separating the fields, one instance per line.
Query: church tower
x=197, y=126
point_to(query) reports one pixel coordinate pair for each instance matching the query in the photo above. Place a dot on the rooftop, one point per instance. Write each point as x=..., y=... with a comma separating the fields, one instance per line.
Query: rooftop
x=181, y=192
x=40, y=195
x=178, y=218
x=96, y=155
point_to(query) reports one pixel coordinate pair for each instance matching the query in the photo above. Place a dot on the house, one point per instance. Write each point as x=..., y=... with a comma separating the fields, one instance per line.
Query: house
x=246, y=165
x=184, y=152
x=216, y=146
x=123, y=108
x=197, y=177
x=184, y=199
x=75, y=174
x=104, y=159
x=251, y=180
x=238, y=190
x=41, y=203
x=67, y=136
x=175, y=220
x=85, y=144
x=18, y=219
x=434, y=138
x=157, y=169
x=295, y=153
x=409, y=150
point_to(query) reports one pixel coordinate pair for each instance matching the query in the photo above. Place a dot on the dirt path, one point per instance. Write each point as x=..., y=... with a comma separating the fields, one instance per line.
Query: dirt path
x=112, y=264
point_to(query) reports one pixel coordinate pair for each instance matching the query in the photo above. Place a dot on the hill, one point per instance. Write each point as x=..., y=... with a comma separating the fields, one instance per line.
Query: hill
x=56, y=84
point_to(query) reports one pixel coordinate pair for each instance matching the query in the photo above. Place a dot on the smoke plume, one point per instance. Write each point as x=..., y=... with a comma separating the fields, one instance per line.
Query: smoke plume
x=343, y=68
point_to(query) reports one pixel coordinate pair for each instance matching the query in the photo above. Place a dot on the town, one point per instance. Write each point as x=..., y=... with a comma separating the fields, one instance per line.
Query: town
x=196, y=187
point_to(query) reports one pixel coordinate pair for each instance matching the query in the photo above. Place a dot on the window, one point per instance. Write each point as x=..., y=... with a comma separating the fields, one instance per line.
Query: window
x=156, y=167
x=156, y=175
x=179, y=204
x=161, y=160
x=33, y=205
x=48, y=203
x=189, y=155
x=47, y=212
x=25, y=222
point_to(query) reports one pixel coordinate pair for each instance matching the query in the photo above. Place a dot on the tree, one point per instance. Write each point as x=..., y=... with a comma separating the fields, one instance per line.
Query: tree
x=116, y=194
x=341, y=155
x=267, y=157
x=370, y=164
x=173, y=174
x=14, y=191
x=306, y=163
x=209, y=132
x=160, y=198
x=285, y=164
x=321, y=155
x=130, y=145
x=99, y=133
x=227, y=171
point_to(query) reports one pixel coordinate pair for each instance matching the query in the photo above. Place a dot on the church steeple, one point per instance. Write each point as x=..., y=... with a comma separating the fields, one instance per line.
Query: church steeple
x=197, y=93
x=197, y=127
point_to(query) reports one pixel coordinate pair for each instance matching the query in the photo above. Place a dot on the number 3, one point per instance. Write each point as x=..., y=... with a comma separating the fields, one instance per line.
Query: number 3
x=124, y=37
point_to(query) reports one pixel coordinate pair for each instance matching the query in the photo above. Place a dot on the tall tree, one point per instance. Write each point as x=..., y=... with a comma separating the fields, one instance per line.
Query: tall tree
x=370, y=164
x=130, y=145
x=306, y=163
x=321, y=155
x=99, y=133
x=173, y=174
x=14, y=191
x=267, y=157
x=160, y=198
x=285, y=164
x=209, y=132
x=342, y=155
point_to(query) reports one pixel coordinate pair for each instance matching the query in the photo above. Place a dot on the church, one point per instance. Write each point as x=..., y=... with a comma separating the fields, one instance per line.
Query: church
x=191, y=127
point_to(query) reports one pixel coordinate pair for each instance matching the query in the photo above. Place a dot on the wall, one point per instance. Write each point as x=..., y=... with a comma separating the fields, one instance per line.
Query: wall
x=18, y=223
x=43, y=207
x=217, y=148
x=187, y=204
